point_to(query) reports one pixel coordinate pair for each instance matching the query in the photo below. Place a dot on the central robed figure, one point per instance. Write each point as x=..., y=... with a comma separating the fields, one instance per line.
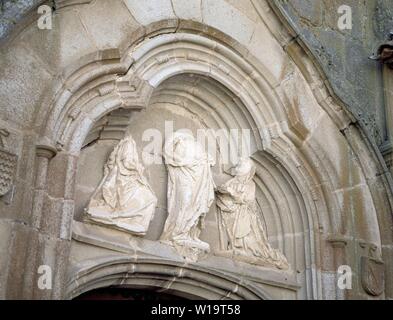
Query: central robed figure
x=190, y=194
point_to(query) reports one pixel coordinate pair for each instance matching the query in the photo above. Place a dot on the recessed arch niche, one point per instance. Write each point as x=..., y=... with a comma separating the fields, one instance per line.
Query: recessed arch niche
x=195, y=102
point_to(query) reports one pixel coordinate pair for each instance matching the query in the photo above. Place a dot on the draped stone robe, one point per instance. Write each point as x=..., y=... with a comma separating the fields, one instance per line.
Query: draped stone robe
x=190, y=194
x=124, y=199
x=241, y=231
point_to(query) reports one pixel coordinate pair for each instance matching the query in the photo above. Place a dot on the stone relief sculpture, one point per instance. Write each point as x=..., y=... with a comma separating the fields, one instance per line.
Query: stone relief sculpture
x=190, y=194
x=242, y=236
x=8, y=166
x=124, y=198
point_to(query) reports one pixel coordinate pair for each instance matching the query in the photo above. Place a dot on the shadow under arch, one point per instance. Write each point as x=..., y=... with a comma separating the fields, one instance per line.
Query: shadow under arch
x=188, y=281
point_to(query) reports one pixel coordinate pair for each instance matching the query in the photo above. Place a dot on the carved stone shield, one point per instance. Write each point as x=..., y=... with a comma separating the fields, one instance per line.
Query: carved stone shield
x=373, y=276
x=8, y=163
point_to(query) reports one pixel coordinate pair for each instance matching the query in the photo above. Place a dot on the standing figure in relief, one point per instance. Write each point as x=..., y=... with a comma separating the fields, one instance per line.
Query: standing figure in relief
x=124, y=198
x=190, y=194
x=242, y=235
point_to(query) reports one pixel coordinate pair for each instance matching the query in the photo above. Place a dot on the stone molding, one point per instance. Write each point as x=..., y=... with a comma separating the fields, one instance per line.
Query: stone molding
x=136, y=257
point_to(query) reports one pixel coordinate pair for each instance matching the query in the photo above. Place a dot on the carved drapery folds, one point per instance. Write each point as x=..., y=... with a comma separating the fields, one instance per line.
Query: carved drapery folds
x=190, y=194
x=242, y=236
x=124, y=198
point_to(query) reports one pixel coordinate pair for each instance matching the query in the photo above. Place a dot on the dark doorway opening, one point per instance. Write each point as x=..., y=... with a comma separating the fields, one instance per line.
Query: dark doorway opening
x=127, y=294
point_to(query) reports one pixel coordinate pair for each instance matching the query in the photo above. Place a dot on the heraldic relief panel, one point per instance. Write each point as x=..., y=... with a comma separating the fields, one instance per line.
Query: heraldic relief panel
x=125, y=201
x=8, y=165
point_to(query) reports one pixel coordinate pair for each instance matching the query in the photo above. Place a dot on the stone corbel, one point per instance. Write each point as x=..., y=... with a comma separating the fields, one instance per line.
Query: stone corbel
x=370, y=250
x=385, y=52
x=338, y=241
x=46, y=151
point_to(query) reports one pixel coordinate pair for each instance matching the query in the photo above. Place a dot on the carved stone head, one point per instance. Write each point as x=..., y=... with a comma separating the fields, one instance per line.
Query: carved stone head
x=245, y=168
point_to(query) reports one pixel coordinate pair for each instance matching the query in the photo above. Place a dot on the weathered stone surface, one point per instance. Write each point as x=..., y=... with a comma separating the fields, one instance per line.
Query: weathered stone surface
x=219, y=15
x=11, y=12
x=151, y=10
x=20, y=94
x=120, y=243
x=192, y=10
x=108, y=23
x=342, y=51
x=108, y=68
